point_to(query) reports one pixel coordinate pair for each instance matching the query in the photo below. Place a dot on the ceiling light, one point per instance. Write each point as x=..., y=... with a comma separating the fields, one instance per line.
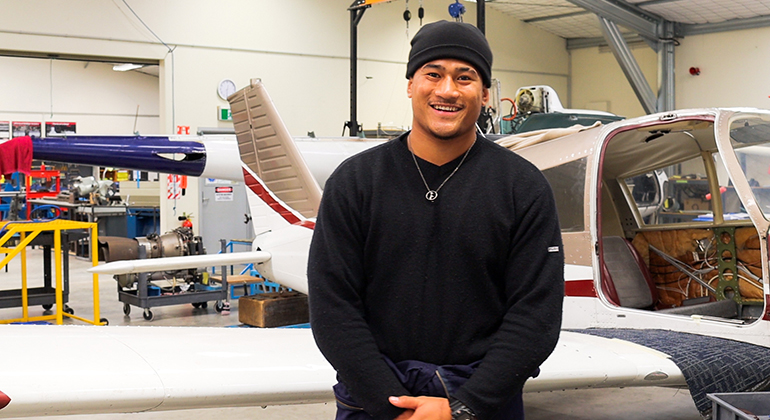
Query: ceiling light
x=127, y=66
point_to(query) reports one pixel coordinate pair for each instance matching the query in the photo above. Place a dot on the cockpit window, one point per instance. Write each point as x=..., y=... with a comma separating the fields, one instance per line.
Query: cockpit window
x=647, y=192
x=678, y=193
x=750, y=138
x=568, y=184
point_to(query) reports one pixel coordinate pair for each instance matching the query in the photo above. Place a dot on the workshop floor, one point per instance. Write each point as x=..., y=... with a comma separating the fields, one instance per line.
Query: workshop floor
x=628, y=404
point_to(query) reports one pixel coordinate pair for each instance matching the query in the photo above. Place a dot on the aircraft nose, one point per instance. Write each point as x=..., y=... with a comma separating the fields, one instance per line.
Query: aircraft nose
x=4, y=400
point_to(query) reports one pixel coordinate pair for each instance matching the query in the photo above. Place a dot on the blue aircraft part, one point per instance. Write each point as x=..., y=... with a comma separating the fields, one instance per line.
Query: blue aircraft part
x=142, y=153
x=456, y=9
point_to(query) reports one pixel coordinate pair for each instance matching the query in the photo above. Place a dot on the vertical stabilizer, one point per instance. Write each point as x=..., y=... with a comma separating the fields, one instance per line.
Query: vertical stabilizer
x=268, y=150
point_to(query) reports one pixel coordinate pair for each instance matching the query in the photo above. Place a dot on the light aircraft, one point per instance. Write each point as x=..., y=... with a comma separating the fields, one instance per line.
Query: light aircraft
x=665, y=232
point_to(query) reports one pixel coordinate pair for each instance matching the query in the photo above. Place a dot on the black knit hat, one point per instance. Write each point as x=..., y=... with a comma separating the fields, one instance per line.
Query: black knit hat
x=461, y=41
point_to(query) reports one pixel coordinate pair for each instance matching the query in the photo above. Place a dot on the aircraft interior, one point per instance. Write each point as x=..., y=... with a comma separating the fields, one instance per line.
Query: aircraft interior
x=675, y=236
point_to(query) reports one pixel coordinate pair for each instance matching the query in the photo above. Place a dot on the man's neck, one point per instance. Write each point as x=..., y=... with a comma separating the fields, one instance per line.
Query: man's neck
x=439, y=151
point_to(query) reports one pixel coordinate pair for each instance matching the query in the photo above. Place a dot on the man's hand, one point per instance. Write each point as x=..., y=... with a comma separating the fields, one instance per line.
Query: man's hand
x=422, y=408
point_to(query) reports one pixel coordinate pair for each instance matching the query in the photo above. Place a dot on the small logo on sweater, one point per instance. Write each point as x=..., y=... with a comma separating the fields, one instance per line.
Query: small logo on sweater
x=553, y=249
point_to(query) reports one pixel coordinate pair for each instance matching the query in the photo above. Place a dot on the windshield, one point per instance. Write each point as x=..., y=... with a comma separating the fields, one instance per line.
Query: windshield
x=750, y=138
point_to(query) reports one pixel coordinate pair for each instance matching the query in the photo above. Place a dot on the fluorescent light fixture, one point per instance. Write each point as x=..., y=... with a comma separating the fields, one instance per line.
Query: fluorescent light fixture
x=127, y=66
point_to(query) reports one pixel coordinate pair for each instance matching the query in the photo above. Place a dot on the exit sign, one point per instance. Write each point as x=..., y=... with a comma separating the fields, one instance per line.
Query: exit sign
x=224, y=114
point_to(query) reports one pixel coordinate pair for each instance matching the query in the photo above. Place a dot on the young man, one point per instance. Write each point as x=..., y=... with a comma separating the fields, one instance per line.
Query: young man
x=436, y=268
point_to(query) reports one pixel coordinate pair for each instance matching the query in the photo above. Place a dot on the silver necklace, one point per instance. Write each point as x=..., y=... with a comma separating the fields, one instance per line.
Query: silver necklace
x=432, y=195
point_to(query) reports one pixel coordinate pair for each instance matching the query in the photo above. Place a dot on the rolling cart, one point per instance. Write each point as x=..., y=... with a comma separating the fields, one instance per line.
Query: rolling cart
x=146, y=295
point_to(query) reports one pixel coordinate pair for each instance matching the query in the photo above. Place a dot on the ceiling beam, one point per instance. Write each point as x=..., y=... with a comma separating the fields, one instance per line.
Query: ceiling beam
x=654, y=2
x=577, y=43
x=634, y=18
x=554, y=17
x=585, y=12
x=728, y=25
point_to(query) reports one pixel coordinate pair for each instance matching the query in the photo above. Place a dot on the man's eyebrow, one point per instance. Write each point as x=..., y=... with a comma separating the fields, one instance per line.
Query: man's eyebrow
x=466, y=69
x=459, y=69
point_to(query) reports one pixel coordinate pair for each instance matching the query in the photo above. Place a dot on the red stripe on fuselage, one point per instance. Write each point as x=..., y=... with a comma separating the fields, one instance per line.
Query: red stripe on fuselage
x=767, y=308
x=4, y=400
x=256, y=186
x=306, y=223
x=580, y=288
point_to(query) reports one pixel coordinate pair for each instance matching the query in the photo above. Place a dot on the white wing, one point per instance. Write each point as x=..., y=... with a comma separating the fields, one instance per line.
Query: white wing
x=586, y=361
x=129, y=369
x=82, y=369
x=179, y=263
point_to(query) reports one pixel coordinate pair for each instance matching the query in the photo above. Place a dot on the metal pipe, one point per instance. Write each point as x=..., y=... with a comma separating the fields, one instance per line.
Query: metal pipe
x=681, y=267
x=203, y=131
x=666, y=57
x=481, y=17
x=628, y=64
x=355, y=17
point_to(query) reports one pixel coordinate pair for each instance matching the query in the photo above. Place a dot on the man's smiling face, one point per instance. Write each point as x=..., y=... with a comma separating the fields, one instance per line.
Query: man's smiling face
x=447, y=96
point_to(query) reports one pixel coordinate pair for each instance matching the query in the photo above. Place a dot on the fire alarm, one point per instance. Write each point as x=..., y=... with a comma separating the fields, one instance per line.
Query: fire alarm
x=694, y=71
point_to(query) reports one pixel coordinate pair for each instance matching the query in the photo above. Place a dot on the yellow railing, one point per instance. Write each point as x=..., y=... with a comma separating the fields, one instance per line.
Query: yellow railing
x=27, y=232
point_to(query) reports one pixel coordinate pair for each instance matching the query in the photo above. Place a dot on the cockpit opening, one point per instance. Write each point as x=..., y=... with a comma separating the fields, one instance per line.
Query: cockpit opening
x=675, y=236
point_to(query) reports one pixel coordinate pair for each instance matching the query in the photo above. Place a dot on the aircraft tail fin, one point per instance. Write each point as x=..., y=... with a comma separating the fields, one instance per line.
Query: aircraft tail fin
x=273, y=166
x=268, y=149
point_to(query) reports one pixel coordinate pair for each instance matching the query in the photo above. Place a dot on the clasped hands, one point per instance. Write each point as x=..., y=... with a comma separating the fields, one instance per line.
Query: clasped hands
x=422, y=408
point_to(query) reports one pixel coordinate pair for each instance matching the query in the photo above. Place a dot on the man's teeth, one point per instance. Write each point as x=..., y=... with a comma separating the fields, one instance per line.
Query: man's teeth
x=446, y=108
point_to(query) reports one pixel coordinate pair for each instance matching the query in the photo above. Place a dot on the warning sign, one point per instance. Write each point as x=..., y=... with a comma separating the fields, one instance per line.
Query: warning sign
x=223, y=194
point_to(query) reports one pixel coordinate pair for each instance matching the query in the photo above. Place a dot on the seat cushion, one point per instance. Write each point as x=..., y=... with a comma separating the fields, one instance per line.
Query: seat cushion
x=630, y=283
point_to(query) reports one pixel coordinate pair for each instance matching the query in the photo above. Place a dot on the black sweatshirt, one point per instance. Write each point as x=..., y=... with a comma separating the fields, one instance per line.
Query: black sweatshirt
x=475, y=275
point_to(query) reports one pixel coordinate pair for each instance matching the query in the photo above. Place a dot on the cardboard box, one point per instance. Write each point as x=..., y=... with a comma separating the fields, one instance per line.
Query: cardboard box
x=269, y=310
x=694, y=204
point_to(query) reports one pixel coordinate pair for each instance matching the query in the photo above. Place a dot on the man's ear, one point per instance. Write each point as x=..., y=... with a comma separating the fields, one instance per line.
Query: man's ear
x=485, y=96
x=409, y=89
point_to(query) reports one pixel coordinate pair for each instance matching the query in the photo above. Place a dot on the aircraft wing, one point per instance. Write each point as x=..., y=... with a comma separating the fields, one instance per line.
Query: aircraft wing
x=580, y=361
x=179, y=263
x=87, y=369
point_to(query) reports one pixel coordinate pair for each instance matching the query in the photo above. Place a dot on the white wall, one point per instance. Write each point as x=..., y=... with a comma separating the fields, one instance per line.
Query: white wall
x=734, y=72
x=298, y=47
x=98, y=99
x=598, y=78
x=734, y=69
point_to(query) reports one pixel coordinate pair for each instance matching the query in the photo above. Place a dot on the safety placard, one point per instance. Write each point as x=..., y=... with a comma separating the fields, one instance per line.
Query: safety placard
x=223, y=194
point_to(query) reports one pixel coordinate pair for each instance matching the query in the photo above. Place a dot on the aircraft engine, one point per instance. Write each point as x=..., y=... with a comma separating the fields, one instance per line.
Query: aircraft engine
x=102, y=192
x=176, y=243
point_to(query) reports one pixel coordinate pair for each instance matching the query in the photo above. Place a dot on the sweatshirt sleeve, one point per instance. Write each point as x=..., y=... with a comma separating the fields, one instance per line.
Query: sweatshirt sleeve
x=535, y=291
x=336, y=284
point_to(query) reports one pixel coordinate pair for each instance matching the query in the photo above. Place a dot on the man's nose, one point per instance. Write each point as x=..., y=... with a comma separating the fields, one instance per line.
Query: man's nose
x=447, y=88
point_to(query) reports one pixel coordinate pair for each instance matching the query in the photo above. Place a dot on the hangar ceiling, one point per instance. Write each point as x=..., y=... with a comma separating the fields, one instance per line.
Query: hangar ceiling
x=658, y=23
x=576, y=20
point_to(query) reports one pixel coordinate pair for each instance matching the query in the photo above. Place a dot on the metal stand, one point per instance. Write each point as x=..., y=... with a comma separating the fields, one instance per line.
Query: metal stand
x=43, y=233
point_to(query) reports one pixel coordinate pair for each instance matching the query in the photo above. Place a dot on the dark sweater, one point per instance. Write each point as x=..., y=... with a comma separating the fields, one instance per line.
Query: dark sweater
x=468, y=277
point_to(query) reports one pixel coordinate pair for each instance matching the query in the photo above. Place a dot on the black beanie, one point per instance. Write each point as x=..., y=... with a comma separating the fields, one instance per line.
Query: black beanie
x=461, y=41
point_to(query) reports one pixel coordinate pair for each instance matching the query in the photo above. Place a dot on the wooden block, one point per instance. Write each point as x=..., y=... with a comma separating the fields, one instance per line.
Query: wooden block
x=239, y=279
x=269, y=310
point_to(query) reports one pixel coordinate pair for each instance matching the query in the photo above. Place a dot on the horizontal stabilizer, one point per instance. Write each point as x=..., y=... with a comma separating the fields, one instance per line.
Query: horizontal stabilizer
x=179, y=263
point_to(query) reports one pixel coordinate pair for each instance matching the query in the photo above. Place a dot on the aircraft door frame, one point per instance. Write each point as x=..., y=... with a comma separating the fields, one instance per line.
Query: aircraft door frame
x=722, y=126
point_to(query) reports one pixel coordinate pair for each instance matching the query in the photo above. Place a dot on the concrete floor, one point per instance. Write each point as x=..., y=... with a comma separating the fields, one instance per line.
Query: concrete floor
x=594, y=404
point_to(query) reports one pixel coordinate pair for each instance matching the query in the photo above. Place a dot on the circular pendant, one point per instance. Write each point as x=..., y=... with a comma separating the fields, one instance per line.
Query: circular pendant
x=431, y=195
